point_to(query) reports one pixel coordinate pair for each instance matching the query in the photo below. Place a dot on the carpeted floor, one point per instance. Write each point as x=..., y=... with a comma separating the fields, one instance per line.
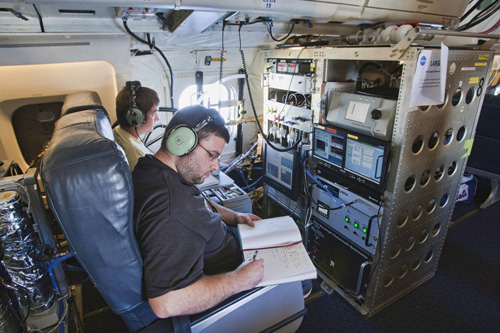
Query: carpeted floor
x=463, y=296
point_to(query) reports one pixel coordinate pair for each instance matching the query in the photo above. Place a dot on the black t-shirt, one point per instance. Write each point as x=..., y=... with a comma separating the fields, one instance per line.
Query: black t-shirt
x=180, y=239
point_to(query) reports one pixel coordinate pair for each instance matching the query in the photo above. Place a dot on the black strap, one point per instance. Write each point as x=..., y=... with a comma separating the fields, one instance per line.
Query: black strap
x=182, y=324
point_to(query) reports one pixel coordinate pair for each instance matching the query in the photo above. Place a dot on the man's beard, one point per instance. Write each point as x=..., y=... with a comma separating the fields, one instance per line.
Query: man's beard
x=190, y=169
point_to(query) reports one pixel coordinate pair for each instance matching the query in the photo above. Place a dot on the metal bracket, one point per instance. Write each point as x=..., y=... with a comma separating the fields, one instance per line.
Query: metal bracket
x=327, y=288
x=488, y=44
x=399, y=49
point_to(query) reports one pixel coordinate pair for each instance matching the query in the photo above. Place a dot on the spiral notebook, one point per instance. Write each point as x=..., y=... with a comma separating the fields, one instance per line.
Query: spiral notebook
x=278, y=241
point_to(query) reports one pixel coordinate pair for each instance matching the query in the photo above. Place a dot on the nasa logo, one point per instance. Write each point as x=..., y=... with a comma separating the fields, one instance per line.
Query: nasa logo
x=423, y=60
x=463, y=194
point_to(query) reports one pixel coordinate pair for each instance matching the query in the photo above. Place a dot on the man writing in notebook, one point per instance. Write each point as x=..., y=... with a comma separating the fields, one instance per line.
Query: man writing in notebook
x=190, y=246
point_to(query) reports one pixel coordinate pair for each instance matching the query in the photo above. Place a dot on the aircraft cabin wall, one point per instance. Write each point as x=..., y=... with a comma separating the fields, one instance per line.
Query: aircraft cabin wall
x=149, y=69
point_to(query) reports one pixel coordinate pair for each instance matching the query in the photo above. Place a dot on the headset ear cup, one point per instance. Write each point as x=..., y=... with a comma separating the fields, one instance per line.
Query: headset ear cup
x=134, y=117
x=181, y=140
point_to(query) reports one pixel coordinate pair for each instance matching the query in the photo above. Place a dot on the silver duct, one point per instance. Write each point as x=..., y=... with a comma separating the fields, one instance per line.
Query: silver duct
x=11, y=313
x=23, y=255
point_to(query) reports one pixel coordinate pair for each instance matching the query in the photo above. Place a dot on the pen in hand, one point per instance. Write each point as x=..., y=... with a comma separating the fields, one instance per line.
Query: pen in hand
x=255, y=255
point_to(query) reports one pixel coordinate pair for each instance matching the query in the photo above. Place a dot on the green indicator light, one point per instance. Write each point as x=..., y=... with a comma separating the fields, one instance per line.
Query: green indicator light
x=365, y=230
x=356, y=225
x=347, y=219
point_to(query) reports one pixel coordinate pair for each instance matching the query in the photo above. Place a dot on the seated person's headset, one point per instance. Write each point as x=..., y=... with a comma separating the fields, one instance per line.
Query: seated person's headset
x=182, y=139
x=134, y=116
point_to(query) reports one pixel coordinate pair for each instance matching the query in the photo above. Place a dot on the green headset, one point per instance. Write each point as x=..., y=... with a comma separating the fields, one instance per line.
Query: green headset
x=134, y=116
x=182, y=139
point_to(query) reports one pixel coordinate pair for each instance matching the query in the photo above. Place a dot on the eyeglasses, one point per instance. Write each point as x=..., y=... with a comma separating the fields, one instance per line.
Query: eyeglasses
x=213, y=157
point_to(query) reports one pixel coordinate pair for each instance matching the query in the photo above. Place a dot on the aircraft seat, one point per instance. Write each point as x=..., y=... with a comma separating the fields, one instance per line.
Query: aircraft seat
x=89, y=189
x=484, y=160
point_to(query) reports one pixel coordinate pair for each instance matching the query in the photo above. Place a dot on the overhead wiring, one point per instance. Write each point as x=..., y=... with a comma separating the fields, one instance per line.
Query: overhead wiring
x=222, y=52
x=15, y=13
x=42, y=28
x=474, y=7
x=152, y=45
x=482, y=16
x=269, y=29
x=245, y=72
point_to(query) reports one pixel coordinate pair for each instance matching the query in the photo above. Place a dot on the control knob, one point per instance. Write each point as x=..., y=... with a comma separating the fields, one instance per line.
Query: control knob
x=376, y=114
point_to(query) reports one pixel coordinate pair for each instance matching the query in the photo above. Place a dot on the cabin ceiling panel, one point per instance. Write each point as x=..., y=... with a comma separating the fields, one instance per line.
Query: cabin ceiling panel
x=29, y=50
x=209, y=12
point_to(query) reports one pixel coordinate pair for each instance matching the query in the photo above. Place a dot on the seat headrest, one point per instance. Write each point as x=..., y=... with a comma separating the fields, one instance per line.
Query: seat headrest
x=82, y=100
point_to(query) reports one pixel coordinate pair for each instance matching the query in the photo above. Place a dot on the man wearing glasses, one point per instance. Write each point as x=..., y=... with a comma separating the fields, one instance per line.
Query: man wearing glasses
x=191, y=255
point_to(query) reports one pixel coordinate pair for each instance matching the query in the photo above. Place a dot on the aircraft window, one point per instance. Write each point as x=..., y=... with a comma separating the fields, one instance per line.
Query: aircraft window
x=220, y=96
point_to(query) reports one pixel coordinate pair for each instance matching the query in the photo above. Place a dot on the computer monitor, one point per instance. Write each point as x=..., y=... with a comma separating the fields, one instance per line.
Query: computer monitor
x=329, y=145
x=364, y=158
x=281, y=170
x=357, y=158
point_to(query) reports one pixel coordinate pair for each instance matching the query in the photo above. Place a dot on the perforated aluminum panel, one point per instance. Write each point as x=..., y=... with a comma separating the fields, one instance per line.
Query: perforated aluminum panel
x=430, y=149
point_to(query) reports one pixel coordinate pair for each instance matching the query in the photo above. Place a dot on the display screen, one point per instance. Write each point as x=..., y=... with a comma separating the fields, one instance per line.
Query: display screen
x=359, y=158
x=329, y=145
x=279, y=167
x=364, y=159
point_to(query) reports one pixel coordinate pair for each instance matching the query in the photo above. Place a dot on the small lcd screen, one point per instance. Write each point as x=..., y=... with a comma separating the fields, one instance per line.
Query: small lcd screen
x=364, y=159
x=279, y=167
x=329, y=146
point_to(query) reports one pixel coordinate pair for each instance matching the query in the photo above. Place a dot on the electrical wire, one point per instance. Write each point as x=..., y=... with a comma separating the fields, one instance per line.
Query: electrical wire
x=222, y=51
x=253, y=184
x=294, y=145
x=480, y=17
x=269, y=24
x=286, y=97
x=42, y=28
x=138, y=136
x=239, y=159
x=379, y=243
x=245, y=72
x=38, y=158
x=51, y=267
x=64, y=302
x=15, y=169
x=152, y=46
x=471, y=10
x=146, y=138
x=325, y=188
x=15, y=13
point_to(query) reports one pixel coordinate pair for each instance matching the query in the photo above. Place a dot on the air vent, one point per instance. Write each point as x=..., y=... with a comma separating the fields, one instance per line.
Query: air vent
x=78, y=12
x=15, y=46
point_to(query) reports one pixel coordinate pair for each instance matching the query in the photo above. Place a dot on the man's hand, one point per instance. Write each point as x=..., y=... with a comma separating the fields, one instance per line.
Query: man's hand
x=250, y=273
x=246, y=218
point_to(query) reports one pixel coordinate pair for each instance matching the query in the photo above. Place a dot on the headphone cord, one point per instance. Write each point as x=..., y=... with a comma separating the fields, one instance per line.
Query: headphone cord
x=152, y=46
x=139, y=137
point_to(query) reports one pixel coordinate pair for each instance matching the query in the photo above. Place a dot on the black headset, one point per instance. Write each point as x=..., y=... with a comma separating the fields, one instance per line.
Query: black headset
x=182, y=139
x=134, y=116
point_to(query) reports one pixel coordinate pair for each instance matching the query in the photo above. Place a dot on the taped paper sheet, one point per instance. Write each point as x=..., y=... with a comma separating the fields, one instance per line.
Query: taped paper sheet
x=429, y=82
